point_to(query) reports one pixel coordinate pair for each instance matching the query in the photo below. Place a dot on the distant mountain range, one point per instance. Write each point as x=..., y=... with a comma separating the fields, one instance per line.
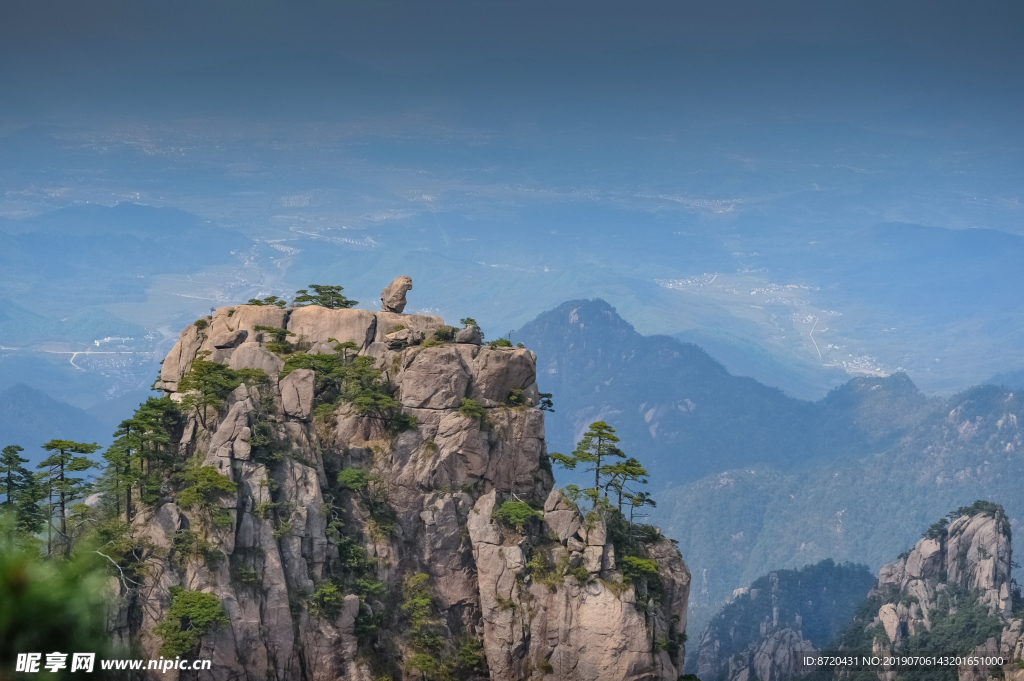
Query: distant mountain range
x=30, y=417
x=60, y=267
x=749, y=479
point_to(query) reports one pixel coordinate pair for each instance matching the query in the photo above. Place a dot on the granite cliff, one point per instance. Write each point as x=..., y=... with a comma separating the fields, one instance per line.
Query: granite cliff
x=951, y=594
x=413, y=532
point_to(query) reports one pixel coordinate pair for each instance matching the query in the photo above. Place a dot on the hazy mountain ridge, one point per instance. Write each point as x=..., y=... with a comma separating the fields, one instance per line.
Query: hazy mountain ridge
x=30, y=417
x=686, y=413
x=784, y=482
x=84, y=256
x=813, y=603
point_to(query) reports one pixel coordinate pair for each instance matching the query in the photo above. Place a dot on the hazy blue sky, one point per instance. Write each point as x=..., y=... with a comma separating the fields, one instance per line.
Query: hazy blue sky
x=513, y=155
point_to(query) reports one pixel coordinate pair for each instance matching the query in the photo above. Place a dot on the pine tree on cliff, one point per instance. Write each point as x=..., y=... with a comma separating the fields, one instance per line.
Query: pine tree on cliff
x=206, y=384
x=324, y=296
x=620, y=475
x=594, y=450
x=138, y=445
x=15, y=477
x=61, y=486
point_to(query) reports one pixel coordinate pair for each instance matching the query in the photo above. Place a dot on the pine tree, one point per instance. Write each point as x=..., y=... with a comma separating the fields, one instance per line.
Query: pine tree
x=137, y=453
x=14, y=477
x=324, y=296
x=206, y=384
x=21, y=491
x=638, y=500
x=596, y=447
x=620, y=475
x=61, y=486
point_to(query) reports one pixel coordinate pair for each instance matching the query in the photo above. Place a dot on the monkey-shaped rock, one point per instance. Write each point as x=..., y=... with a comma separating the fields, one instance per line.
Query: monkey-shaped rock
x=392, y=298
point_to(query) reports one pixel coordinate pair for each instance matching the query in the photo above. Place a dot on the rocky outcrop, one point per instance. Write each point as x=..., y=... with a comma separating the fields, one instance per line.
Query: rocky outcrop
x=392, y=298
x=571, y=626
x=950, y=595
x=774, y=659
x=970, y=555
x=282, y=552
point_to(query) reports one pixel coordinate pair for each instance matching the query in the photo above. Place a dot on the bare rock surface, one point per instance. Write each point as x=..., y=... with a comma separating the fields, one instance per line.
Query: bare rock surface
x=316, y=324
x=255, y=356
x=422, y=325
x=392, y=298
x=297, y=394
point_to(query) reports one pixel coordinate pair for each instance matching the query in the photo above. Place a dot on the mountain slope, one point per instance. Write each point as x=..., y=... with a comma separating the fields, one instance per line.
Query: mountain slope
x=30, y=417
x=748, y=479
x=673, y=405
x=684, y=415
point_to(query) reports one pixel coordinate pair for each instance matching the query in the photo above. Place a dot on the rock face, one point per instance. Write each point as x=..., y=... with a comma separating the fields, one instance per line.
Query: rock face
x=971, y=554
x=773, y=659
x=273, y=550
x=392, y=298
x=956, y=578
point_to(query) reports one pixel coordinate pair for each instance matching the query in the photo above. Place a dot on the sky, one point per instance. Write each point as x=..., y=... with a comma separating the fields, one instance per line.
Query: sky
x=674, y=158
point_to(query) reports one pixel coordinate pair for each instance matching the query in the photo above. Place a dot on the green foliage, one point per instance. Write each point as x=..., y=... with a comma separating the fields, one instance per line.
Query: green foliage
x=824, y=596
x=516, y=514
x=468, y=321
x=471, y=653
x=326, y=601
x=264, y=445
x=938, y=530
x=516, y=398
x=141, y=451
x=433, y=656
x=418, y=607
x=543, y=572
x=192, y=613
x=355, y=479
x=581, y=574
x=356, y=381
x=593, y=451
x=470, y=408
x=979, y=507
x=444, y=334
x=278, y=339
x=49, y=605
x=324, y=296
x=545, y=402
x=206, y=384
x=272, y=301
x=968, y=625
x=245, y=576
x=203, y=487
x=201, y=324
x=191, y=547
x=372, y=493
x=500, y=343
x=634, y=567
x=62, y=489
x=22, y=492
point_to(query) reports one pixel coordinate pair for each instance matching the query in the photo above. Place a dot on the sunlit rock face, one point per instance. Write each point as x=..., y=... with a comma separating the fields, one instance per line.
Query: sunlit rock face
x=290, y=528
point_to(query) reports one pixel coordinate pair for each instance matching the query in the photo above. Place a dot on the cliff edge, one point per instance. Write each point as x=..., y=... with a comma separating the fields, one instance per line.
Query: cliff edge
x=367, y=498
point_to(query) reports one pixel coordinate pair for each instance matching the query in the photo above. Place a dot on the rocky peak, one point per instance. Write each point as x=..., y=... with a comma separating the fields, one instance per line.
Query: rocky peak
x=951, y=594
x=353, y=548
x=972, y=552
